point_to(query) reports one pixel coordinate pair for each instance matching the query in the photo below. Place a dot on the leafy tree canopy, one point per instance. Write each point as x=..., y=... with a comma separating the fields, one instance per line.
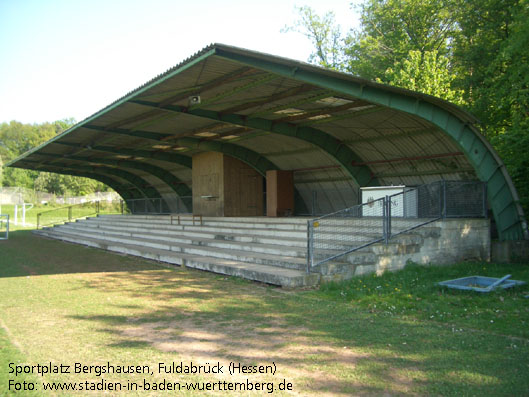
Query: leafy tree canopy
x=17, y=138
x=325, y=35
x=470, y=52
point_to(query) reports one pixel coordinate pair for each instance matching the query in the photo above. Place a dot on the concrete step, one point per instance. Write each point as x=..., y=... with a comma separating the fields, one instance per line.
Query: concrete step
x=205, y=219
x=233, y=229
x=252, y=271
x=241, y=223
x=173, y=240
x=229, y=228
x=300, y=239
x=253, y=254
x=297, y=223
x=242, y=246
x=218, y=239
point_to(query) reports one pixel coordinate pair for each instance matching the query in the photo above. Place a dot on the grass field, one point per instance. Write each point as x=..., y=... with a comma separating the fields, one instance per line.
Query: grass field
x=397, y=334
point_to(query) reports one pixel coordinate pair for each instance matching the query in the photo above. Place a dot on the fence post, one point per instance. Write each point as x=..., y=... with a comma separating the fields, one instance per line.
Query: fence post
x=485, y=213
x=310, y=253
x=38, y=220
x=444, y=199
x=385, y=219
x=69, y=214
x=388, y=213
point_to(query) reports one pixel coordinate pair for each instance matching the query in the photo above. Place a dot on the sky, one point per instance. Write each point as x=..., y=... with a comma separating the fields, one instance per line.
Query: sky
x=71, y=58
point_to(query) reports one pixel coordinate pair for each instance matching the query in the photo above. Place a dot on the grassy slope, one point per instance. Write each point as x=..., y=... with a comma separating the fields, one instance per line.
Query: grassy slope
x=397, y=333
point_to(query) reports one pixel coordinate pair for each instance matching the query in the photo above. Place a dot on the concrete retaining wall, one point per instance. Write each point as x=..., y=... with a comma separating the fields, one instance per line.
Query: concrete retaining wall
x=442, y=242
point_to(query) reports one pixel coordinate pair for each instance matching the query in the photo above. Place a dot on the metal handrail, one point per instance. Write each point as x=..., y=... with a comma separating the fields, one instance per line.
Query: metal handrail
x=160, y=205
x=70, y=217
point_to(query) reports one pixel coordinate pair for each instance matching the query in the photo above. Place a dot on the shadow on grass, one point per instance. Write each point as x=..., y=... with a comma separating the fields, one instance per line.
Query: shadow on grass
x=25, y=254
x=331, y=347
x=326, y=346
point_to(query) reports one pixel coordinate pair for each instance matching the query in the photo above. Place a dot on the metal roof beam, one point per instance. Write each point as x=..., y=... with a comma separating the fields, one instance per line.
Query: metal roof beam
x=263, y=80
x=209, y=85
x=258, y=162
x=415, y=158
x=301, y=101
x=239, y=73
x=124, y=191
x=388, y=137
x=270, y=99
x=179, y=187
x=153, y=136
x=346, y=116
x=173, y=158
x=339, y=151
x=267, y=78
x=255, y=160
x=142, y=185
x=322, y=111
x=446, y=171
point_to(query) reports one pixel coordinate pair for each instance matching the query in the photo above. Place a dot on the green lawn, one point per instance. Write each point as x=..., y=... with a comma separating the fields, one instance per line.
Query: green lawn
x=397, y=334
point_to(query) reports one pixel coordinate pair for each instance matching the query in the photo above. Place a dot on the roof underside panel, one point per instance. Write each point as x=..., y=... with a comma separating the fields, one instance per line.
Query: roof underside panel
x=334, y=131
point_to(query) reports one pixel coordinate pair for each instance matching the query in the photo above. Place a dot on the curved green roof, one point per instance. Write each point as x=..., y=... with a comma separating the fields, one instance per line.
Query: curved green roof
x=336, y=132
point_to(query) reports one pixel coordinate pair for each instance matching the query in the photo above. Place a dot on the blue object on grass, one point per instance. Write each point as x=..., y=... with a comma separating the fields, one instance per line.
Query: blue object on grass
x=481, y=283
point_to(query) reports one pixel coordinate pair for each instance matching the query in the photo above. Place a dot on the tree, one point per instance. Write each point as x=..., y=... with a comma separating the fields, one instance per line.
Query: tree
x=470, y=52
x=67, y=184
x=324, y=34
x=49, y=182
x=390, y=29
x=17, y=138
x=19, y=177
x=503, y=99
x=484, y=26
x=426, y=72
x=401, y=42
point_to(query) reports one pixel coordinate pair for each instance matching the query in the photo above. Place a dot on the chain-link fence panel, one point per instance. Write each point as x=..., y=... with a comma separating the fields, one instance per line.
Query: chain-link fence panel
x=345, y=231
x=465, y=199
x=176, y=205
x=337, y=234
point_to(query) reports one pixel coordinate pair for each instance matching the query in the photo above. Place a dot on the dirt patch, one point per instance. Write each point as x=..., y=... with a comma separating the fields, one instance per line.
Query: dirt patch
x=294, y=353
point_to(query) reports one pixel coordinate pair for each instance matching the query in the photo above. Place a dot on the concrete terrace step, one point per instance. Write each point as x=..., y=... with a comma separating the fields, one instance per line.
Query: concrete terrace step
x=297, y=223
x=245, y=223
x=187, y=218
x=170, y=240
x=220, y=239
x=235, y=246
x=253, y=254
x=251, y=271
x=330, y=233
x=211, y=230
x=263, y=222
